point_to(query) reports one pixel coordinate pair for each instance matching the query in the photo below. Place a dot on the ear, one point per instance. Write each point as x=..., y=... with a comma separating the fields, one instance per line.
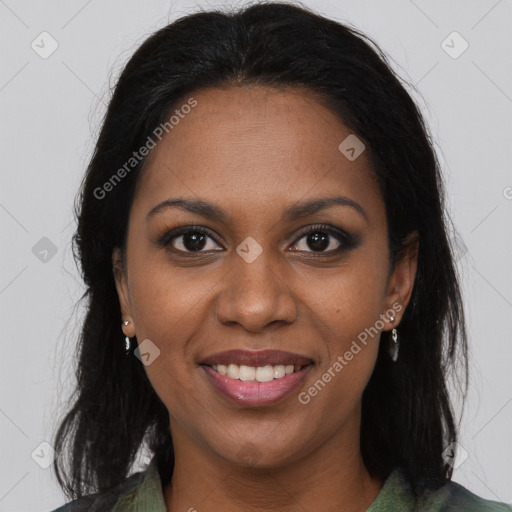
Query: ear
x=119, y=270
x=401, y=281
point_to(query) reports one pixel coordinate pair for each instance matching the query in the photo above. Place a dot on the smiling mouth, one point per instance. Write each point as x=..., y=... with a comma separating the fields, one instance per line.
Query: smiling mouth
x=261, y=386
x=265, y=373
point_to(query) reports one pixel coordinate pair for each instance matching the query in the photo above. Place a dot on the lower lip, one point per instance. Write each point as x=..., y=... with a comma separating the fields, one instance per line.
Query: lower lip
x=256, y=393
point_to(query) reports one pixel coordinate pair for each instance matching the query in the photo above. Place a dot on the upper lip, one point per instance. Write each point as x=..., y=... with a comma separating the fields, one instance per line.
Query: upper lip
x=256, y=358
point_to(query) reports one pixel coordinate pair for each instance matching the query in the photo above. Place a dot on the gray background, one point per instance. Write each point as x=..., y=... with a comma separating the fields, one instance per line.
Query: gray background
x=51, y=109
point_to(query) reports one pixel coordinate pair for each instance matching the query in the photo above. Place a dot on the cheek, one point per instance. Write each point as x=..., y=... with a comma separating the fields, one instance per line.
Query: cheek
x=350, y=323
x=166, y=300
x=166, y=308
x=356, y=299
x=350, y=353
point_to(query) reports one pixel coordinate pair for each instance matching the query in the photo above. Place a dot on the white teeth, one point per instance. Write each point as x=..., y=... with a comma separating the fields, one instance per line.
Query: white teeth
x=233, y=371
x=247, y=373
x=251, y=373
x=265, y=373
x=279, y=371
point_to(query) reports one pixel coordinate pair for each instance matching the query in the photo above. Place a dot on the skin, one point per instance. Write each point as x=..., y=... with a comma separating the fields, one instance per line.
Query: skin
x=253, y=151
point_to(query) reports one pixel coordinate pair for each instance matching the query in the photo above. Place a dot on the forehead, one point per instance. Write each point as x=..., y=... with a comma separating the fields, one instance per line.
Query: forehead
x=255, y=144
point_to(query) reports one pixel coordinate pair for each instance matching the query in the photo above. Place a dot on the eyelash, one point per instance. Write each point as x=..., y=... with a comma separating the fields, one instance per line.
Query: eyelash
x=346, y=240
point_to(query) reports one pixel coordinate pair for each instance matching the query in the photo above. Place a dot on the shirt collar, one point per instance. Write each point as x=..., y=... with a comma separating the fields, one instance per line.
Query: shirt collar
x=395, y=494
x=147, y=496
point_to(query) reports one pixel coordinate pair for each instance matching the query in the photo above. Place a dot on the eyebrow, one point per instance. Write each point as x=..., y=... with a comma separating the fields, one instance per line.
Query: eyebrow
x=295, y=211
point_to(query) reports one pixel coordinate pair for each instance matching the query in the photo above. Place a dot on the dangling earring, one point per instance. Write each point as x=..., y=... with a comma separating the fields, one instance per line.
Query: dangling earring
x=127, y=341
x=394, y=346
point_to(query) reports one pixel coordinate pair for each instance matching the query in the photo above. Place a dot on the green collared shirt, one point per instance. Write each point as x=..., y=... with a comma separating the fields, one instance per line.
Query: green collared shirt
x=142, y=492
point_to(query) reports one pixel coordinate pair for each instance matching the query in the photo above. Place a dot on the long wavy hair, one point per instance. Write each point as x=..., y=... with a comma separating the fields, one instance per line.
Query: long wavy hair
x=407, y=415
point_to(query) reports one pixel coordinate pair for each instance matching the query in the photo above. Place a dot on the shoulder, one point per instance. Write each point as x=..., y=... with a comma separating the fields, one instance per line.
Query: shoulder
x=453, y=496
x=397, y=495
x=103, y=501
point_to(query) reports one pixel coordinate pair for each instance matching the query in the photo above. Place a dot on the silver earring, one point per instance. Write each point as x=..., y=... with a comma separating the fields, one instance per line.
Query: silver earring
x=394, y=346
x=127, y=341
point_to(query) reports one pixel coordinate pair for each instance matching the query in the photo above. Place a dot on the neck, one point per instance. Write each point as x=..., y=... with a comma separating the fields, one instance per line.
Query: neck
x=320, y=479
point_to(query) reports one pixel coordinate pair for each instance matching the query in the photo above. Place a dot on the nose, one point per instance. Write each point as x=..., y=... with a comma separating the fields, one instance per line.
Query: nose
x=255, y=295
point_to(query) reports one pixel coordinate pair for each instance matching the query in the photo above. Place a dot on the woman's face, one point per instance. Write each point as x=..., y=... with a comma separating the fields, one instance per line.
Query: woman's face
x=265, y=274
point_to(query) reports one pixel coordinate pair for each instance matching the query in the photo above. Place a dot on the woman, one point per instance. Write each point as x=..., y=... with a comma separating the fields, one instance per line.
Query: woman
x=273, y=307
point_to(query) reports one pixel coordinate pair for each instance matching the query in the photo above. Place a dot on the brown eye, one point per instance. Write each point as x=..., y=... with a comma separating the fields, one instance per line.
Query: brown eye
x=319, y=241
x=189, y=240
x=324, y=239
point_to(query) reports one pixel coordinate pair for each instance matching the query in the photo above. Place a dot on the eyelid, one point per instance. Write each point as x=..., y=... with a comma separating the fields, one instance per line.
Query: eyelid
x=173, y=233
x=327, y=228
